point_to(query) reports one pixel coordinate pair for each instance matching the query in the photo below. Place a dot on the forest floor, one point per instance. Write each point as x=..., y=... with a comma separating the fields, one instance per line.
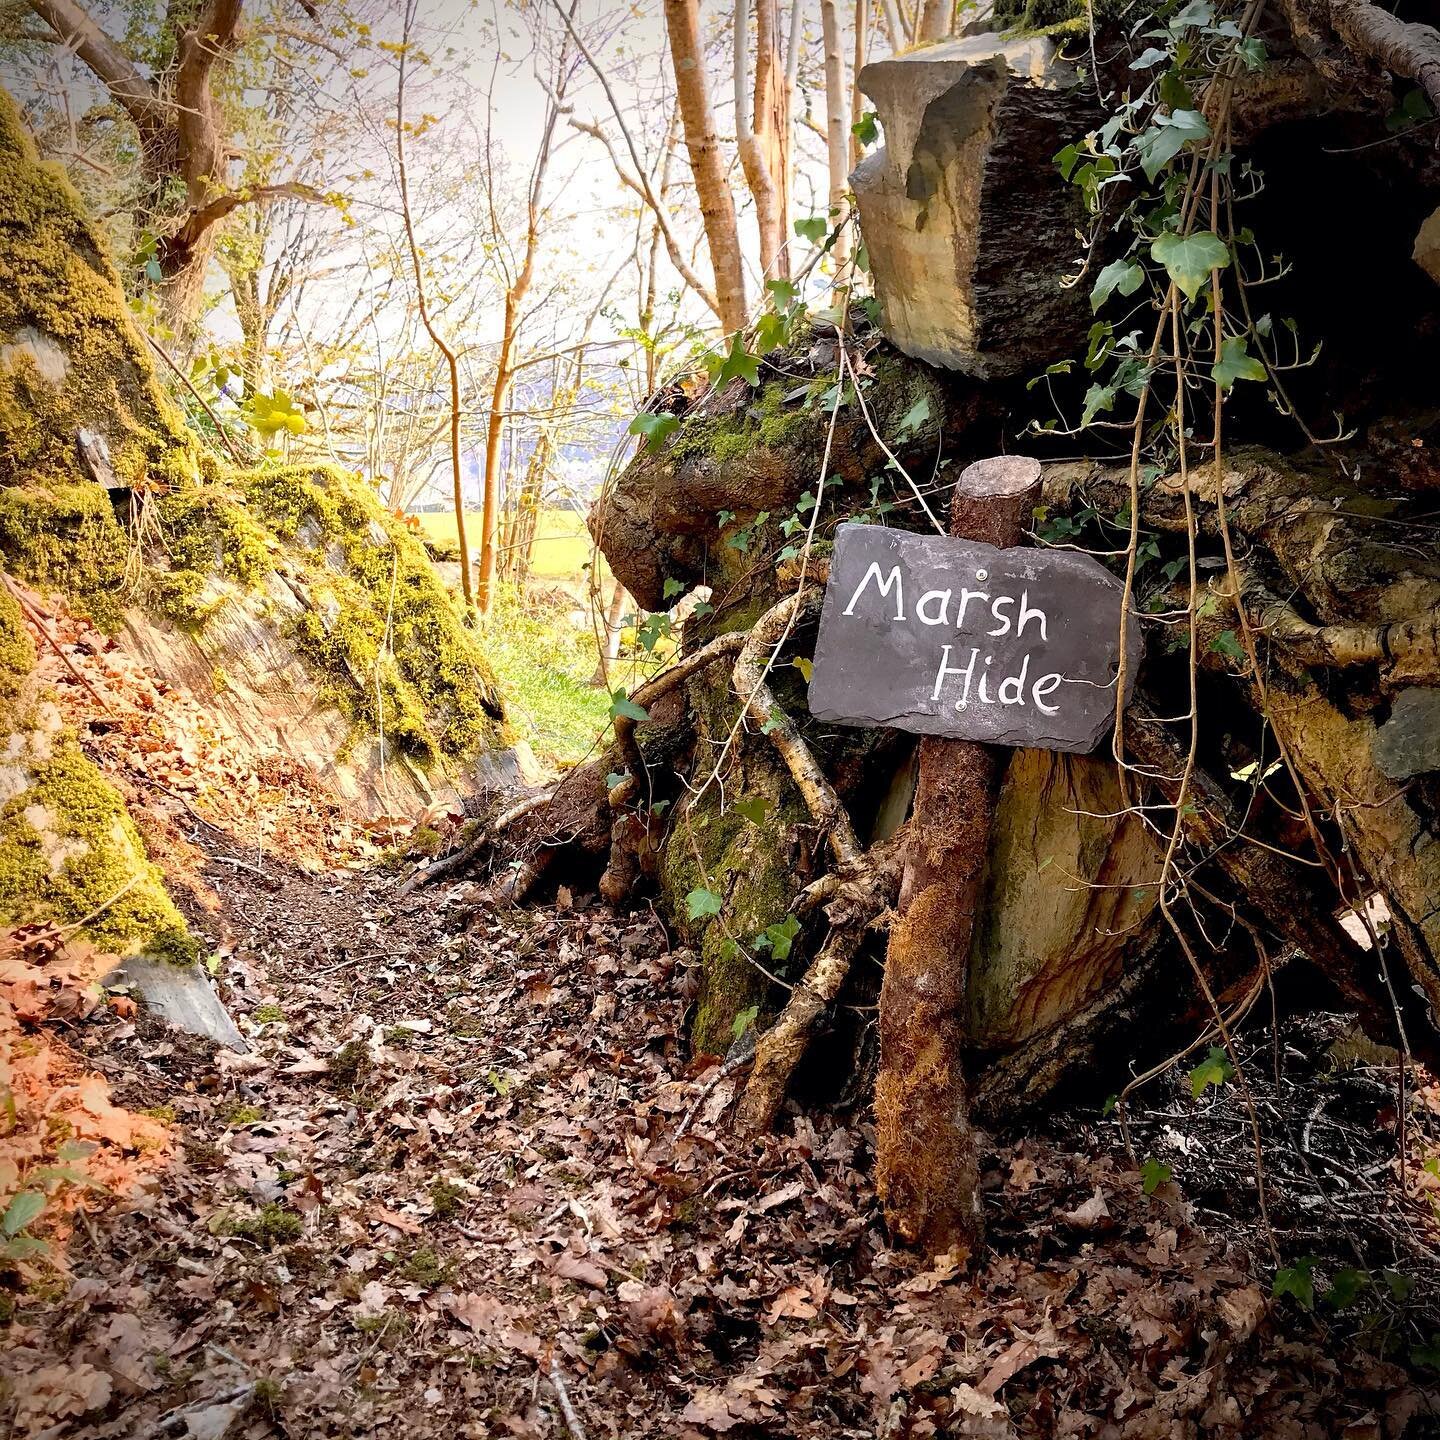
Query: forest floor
x=453, y=1166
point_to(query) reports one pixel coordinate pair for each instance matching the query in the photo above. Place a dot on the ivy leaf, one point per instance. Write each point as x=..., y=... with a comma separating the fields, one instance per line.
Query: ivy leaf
x=1235, y=363
x=1427, y=1355
x=1124, y=276
x=739, y=362
x=814, y=229
x=701, y=902
x=1346, y=1287
x=22, y=1210
x=914, y=418
x=1401, y=1287
x=865, y=130
x=784, y=291
x=744, y=1020
x=1164, y=140
x=1227, y=645
x=1214, y=1069
x=1097, y=398
x=1147, y=58
x=804, y=666
x=672, y=588
x=771, y=332
x=753, y=808
x=1252, y=52
x=1189, y=259
x=782, y=936
x=1298, y=1282
x=621, y=704
x=654, y=428
x=616, y=777
x=1153, y=1174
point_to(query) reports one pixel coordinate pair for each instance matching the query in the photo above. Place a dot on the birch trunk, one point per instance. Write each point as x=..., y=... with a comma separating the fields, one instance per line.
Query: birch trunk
x=836, y=127
x=717, y=205
x=935, y=20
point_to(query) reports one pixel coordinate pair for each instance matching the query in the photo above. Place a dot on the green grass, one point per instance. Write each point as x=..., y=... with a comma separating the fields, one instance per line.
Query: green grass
x=544, y=664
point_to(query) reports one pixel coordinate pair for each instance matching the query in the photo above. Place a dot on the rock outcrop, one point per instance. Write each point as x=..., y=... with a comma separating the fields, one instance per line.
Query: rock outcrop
x=285, y=600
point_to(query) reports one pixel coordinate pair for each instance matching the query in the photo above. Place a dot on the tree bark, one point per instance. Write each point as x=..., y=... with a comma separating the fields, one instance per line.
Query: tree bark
x=926, y=1153
x=935, y=20
x=717, y=205
x=755, y=134
x=837, y=128
x=179, y=129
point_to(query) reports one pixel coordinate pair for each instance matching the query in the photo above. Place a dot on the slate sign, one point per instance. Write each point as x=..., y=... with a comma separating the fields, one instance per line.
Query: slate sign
x=951, y=637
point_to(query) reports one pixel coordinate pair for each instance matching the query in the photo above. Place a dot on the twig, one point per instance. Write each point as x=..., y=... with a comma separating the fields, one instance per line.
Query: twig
x=242, y=865
x=189, y=385
x=39, y=622
x=448, y=864
x=174, y=1422
x=743, y=1055
x=557, y=1383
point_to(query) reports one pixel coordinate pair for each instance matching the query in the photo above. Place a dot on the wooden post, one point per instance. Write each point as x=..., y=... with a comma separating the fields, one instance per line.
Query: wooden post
x=928, y=1166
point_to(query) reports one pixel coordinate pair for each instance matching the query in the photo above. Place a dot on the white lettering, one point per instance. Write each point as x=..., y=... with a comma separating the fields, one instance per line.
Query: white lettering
x=966, y=596
x=1017, y=694
x=984, y=693
x=1044, y=686
x=946, y=668
x=1027, y=612
x=885, y=583
x=1004, y=626
x=944, y=598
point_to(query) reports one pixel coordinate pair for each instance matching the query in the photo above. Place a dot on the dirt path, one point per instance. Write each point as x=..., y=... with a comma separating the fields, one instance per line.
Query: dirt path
x=451, y=1164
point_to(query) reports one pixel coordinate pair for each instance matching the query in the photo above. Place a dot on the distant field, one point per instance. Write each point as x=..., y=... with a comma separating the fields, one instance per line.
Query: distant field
x=562, y=543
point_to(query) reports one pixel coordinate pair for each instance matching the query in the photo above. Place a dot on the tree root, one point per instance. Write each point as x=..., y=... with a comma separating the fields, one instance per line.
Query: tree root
x=482, y=839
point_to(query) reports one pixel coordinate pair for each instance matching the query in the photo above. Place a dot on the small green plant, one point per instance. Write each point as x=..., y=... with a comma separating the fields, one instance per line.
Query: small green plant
x=1153, y=1174
x=241, y=1115
x=350, y=1062
x=446, y=1198
x=269, y=1014
x=1215, y=1069
x=22, y=1212
x=423, y=1267
x=271, y=1226
x=1298, y=1282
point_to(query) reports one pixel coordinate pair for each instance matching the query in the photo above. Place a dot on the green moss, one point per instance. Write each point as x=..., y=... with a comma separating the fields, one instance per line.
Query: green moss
x=270, y=1226
x=69, y=356
x=380, y=620
x=70, y=853
x=424, y=1267
x=1048, y=17
x=446, y=1198
x=64, y=536
x=765, y=420
x=754, y=873
x=17, y=649
x=244, y=1115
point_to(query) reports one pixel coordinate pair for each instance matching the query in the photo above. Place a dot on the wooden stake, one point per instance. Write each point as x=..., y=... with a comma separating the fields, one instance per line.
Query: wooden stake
x=928, y=1165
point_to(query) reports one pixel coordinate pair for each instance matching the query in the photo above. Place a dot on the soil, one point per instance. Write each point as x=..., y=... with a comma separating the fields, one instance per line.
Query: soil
x=452, y=1191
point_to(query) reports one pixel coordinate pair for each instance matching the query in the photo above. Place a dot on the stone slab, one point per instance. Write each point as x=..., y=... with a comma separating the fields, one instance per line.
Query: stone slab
x=940, y=636
x=182, y=996
x=1408, y=743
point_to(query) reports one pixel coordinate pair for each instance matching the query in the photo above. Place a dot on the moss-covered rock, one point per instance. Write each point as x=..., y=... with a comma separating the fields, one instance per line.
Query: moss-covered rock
x=69, y=852
x=381, y=628
x=17, y=652
x=143, y=532
x=70, y=358
x=1049, y=17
